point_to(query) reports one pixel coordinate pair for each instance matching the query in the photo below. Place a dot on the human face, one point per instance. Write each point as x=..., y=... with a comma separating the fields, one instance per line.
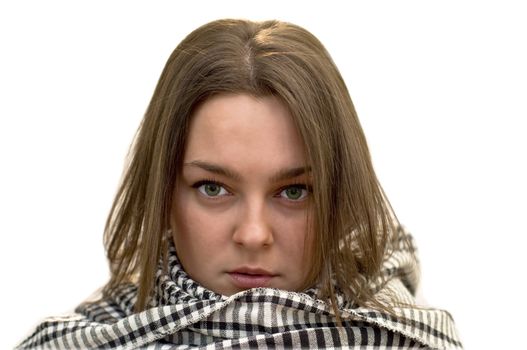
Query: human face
x=241, y=203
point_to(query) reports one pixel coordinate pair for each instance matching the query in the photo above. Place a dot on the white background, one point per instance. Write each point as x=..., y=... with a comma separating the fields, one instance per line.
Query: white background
x=440, y=87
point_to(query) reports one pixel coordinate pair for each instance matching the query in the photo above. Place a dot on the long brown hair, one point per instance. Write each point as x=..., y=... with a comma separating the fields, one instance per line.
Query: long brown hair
x=353, y=221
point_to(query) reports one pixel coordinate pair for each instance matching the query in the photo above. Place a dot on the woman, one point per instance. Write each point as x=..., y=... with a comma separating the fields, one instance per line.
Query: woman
x=250, y=215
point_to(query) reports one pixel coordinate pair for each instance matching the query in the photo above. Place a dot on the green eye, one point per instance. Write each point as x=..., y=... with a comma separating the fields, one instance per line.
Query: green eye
x=294, y=193
x=211, y=189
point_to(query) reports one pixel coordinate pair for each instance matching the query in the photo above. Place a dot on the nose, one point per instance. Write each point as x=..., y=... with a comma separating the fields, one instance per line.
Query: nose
x=253, y=230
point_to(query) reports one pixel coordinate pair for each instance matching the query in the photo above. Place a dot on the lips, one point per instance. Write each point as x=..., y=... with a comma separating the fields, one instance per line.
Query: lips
x=246, y=278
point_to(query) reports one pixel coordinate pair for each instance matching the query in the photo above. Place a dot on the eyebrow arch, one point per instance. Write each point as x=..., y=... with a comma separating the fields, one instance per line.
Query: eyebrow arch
x=281, y=175
x=286, y=174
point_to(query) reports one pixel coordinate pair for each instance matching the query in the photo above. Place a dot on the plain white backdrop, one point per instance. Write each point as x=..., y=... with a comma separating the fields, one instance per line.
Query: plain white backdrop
x=440, y=88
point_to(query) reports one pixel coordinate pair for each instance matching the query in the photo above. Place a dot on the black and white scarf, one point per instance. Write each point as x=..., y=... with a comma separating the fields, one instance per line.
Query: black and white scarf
x=185, y=315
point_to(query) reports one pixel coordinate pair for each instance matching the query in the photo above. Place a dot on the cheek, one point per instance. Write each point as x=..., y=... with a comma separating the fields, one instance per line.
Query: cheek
x=196, y=230
x=295, y=238
x=184, y=228
x=191, y=235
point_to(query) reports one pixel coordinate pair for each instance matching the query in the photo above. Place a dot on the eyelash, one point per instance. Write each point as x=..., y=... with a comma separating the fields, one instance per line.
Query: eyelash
x=302, y=186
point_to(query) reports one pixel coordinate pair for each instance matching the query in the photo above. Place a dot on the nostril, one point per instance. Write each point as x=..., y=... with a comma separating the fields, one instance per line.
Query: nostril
x=253, y=236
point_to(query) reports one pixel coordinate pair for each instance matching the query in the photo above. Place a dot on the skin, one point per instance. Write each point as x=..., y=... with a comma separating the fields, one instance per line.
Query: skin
x=240, y=216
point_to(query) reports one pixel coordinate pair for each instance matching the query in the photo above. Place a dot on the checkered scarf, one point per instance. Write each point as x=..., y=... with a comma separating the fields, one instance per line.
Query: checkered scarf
x=185, y=315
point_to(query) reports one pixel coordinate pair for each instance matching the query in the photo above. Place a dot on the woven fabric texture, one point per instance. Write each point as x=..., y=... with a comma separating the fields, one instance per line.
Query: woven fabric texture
x=185, y=315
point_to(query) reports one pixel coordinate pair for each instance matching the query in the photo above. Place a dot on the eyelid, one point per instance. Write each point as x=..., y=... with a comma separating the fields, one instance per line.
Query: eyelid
x=207, y=181
x=304, y=186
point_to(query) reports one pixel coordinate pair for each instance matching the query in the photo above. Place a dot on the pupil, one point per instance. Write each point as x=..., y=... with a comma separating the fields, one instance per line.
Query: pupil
x=293, y=193
x=212, y=189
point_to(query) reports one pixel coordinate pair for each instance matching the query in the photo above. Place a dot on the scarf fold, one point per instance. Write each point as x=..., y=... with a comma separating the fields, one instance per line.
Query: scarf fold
x=183, y=315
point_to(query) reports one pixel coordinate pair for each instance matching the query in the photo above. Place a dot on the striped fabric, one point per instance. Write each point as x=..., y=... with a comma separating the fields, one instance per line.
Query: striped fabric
x=184, y=315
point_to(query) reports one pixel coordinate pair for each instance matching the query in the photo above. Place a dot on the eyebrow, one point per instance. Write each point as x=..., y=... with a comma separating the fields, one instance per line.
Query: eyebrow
x=281, y=175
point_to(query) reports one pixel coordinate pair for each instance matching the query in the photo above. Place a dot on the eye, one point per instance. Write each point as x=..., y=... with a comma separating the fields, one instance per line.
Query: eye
x=294, y=192
x=210, y=189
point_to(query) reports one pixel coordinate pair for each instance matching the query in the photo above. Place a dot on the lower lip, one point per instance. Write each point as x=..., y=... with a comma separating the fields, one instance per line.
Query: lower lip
x=245, y=281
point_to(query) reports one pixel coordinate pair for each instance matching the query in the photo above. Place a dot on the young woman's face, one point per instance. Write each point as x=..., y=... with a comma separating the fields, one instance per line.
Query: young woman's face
x=241, y=204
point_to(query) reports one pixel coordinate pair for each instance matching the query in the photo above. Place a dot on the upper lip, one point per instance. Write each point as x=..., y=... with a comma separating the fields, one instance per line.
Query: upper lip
x=252, y=271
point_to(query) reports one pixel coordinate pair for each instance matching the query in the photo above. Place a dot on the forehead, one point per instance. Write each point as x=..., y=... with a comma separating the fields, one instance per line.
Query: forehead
x=243, y=131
